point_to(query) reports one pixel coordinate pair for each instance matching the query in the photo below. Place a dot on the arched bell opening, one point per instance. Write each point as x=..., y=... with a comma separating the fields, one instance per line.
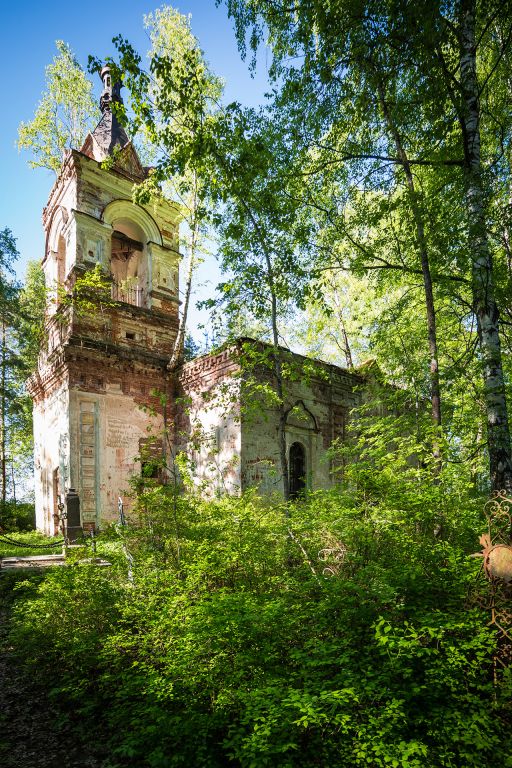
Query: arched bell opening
x=297, y=470
x=129, y=264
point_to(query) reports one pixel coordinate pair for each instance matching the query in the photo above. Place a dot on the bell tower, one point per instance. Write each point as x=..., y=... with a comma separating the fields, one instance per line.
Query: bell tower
x=100, y=369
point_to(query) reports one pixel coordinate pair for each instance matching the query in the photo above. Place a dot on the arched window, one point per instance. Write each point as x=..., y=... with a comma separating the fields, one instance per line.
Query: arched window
x=297, y=469
x=56, y=263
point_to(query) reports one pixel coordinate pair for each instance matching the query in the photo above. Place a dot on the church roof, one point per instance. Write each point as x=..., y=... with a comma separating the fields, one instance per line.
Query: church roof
x=107, y=135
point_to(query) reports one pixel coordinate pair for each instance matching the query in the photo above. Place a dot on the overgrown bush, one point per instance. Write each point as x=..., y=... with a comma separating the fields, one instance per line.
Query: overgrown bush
x=334, y=632
x=18, y=516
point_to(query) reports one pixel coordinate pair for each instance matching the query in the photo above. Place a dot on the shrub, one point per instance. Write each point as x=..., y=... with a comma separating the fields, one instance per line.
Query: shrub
x=335, y=634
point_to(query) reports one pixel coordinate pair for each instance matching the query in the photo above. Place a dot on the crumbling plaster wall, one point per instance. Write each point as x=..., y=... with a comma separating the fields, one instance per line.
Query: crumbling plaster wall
x=319, y=406
x=52, y=452
x=114, y=405
x=207, y=422
x=236, y=445
x=106, y=433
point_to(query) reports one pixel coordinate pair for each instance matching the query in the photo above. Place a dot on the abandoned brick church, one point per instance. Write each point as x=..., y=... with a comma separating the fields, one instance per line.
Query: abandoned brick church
x=94, y=390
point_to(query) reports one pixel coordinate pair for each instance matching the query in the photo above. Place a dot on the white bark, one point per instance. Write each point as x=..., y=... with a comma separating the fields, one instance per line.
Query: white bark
x=484, y=302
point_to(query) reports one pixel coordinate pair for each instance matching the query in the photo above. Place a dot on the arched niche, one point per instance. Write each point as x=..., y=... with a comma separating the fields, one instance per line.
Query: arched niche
x=133, y=229
x=57, y=226
x=300, y=417
x=125, y=210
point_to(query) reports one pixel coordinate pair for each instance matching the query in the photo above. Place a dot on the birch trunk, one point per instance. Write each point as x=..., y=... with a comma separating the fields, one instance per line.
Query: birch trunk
x=179, y=345
x=345, y=346
x=276, y=352
x=484, y=302
x=177, y=354
x=421, y=240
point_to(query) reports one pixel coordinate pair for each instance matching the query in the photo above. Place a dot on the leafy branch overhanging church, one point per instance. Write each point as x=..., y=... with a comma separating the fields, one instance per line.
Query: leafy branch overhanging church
x=96, y=407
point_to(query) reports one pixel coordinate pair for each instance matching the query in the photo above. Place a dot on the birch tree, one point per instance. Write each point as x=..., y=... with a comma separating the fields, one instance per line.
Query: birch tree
x=484, y=300
x=446, y=59
x=66, y=113
x=233, y=157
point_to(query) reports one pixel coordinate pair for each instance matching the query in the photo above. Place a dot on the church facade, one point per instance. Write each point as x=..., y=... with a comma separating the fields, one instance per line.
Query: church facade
x=229, y=406
x=102, y=393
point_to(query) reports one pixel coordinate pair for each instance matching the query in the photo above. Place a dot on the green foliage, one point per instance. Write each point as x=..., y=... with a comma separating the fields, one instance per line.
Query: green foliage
x=65, y=113
x=20, y=331
x=18, y=516
x=337, y=630
x=237, y=159
x=24, y=536
x=190, y=348
x=91, y=293
x=335, y=635
x=385, y=105
x=30, y=328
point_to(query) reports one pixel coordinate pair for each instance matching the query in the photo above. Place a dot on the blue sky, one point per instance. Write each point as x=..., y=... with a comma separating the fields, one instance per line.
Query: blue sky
x=28, y=32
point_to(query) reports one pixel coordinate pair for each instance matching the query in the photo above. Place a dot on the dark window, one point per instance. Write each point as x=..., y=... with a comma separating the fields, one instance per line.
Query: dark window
x=297, y=469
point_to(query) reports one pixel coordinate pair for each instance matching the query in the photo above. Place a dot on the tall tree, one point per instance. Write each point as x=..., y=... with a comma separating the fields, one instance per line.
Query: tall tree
x=172, y=41
x=65, y=114
x=11, y=365
x=446, y=62
x=232, y=156
x=471, y=26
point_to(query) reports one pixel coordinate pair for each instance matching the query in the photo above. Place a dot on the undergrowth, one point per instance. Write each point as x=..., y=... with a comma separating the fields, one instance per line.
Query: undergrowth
x=237, y=632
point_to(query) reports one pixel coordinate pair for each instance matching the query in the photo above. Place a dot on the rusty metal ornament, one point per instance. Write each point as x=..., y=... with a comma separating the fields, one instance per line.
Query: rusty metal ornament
x=497, y=560
x=494, y=592
x=496, y=547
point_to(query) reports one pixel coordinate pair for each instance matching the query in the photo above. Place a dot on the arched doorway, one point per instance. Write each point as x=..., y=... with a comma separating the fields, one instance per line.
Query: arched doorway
x=297, y=469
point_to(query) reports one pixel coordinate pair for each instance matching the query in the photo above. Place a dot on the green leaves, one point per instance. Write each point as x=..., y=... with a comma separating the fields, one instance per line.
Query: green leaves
x=21, y=316
x=233, y=651
x=66, y=112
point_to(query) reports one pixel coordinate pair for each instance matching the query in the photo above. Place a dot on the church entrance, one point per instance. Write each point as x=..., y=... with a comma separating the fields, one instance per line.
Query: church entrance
x=297, y=469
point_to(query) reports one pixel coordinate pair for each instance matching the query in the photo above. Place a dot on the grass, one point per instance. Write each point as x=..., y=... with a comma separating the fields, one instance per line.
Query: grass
x=31, y=537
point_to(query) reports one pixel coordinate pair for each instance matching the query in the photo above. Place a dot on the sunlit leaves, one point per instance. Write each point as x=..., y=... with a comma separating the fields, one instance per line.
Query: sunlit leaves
x=65, y=114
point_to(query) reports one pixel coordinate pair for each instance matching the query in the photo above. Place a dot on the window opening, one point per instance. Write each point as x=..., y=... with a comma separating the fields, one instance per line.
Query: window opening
x=151, y=459
x=297, y=469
